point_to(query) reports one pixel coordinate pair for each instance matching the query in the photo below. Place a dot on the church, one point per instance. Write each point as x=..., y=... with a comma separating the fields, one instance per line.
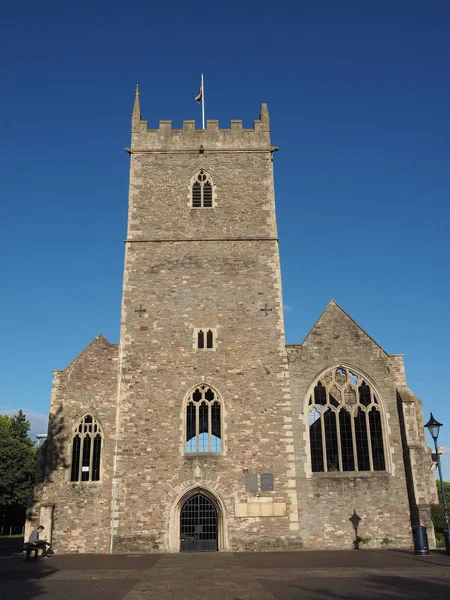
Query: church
x=202, y=430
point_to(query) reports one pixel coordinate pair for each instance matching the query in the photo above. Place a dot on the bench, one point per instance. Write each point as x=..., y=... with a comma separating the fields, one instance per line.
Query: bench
x=29, y=548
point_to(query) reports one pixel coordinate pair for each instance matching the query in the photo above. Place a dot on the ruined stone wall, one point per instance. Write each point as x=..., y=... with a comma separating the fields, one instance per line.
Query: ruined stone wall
x=212, y=268
x=327, y=500
x=82, y=510
x=418, y=460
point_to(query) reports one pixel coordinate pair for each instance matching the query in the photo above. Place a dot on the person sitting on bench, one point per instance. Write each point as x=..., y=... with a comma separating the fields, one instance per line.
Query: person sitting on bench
x=37, y=543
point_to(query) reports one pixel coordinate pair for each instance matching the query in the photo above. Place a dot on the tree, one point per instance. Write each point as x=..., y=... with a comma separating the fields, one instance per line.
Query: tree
x=437, y=512
x=17, y=463
x=447, y=491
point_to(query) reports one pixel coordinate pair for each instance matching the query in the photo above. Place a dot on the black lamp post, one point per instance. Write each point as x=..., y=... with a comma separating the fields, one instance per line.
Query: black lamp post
x=433, y=427
x=355, y=520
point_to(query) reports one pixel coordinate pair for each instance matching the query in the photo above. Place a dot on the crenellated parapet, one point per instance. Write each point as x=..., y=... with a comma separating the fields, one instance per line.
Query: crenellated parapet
x=189, y=138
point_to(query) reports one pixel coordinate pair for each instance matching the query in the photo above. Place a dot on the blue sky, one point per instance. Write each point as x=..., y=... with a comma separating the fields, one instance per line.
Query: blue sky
x=359, y=95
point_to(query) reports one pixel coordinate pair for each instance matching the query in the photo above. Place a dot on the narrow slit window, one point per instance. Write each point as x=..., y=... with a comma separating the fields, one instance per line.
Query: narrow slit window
x=209, y=339
x=200, y=339
x=204, y=339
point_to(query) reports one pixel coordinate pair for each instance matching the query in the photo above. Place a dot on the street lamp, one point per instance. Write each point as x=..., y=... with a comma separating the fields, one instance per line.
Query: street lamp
x=355, y=520
x=433, y=427
x=41, y=437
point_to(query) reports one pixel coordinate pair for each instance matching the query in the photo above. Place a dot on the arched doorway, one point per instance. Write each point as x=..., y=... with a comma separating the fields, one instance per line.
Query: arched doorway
x=198, y=525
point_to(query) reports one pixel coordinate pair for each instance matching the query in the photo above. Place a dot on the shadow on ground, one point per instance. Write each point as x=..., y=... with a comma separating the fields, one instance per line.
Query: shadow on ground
x=367, y=587
x=34, y=579
x=337, y=559
x=366, y=575
x=30, y=580
x=20, y=578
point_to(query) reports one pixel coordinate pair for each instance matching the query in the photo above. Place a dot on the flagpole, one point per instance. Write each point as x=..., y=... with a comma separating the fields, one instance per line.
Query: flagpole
x=203, y=104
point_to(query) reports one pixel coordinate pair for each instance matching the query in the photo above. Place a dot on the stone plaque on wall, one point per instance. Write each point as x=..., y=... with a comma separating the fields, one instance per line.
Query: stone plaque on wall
x=266, y=482
x=251, y=483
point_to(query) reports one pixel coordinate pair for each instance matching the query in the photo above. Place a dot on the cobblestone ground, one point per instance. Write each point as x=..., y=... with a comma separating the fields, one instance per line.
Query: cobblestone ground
x=212, y=576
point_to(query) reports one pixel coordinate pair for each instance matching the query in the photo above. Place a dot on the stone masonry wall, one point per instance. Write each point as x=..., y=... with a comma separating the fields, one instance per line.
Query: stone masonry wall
x=212, y=268
x=421, y=481
x=82, y=511
x=327, y=500
x=218, y=268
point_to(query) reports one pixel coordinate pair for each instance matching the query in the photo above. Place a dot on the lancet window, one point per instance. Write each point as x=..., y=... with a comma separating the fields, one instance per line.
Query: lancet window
x=204, y=339
x=202, y=191
x=345, y=424
x=203, y=421
x=86, y=450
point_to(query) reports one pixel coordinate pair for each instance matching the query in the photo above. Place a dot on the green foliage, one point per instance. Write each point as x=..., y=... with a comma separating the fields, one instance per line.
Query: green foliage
x=17, y=461
x=437, y=510
x=363, y=540
x=386, y=541
x=447, y=491
x=438, y=515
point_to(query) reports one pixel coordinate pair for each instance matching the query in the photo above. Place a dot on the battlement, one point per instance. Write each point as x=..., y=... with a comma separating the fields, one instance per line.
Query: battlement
x=236, y=137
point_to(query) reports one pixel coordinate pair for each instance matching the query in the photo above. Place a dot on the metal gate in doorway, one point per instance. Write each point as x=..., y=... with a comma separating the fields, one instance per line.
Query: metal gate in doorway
x=198, y=525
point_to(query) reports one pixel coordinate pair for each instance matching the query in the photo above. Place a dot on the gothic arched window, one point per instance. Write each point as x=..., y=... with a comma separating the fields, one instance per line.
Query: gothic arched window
x=86, y=450
x=202, y=190
x=203, y=425
x=345, y=424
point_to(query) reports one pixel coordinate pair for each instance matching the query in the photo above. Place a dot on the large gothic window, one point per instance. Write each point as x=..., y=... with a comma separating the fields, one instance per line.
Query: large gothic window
x=86, y=450
x=202, y=191
x=203, y=421
x=345, y=424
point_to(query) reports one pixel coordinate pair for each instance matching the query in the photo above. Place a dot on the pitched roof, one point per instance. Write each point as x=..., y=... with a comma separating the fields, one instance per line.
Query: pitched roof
x=335, y=312
x=98, y=343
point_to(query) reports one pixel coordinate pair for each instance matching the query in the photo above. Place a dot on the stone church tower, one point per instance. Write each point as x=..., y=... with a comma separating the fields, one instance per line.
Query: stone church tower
x=189, y=434
x=204, y=392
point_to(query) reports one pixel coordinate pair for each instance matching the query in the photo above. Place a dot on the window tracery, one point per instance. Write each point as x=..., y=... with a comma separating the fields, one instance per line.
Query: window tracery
x=345, y=424
x=203, y=421
x=86, y=450
x=202, y=190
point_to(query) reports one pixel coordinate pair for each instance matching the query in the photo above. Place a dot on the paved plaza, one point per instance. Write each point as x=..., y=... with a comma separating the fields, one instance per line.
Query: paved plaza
x=333, y=575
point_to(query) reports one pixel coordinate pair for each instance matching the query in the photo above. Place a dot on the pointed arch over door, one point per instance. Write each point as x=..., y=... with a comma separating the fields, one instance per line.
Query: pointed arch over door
x=179, y=533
